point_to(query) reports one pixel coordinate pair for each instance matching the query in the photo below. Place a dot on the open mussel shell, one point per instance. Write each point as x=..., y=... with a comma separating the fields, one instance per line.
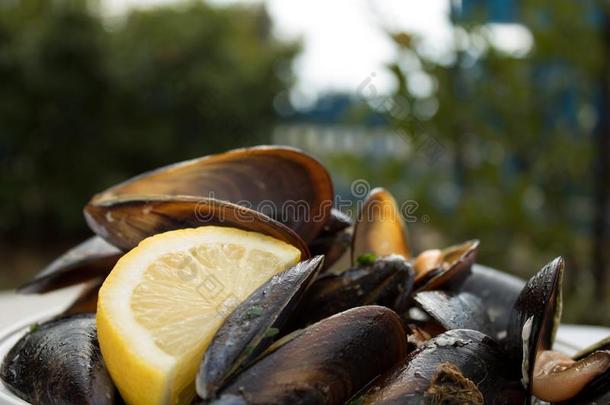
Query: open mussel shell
x=552, y=376
x=126, y=221
x=582, y=379
x=59, y=362
x=559, y=379
x=93, y=258
x=283, y=183
x=457, y=367
x=535, y=319
x=456, y=310
x=326, y=363
x=497, y=290
x=251, y=327
x=379, y=227
x=421, y=327
x=595, y=392
x=387, y=281
x=436, y=269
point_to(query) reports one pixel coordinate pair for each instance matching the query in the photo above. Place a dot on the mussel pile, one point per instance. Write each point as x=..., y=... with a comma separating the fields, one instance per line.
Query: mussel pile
x=361, y=320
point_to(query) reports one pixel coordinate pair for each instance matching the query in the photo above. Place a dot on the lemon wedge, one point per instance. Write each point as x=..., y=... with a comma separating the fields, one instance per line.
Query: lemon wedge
x=161, y=305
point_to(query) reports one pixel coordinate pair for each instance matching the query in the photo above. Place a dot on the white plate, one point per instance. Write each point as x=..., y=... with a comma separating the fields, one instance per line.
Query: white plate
x=570, y=338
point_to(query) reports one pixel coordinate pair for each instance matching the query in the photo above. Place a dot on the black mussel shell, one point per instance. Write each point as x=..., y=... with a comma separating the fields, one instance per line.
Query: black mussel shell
x=497, y=290
x=59, y=362
x=326, y=363
x=282, y=183
x=597, y=391
x=337, y=222
x=456, y=310
x=343, y=262
x=93, y=258
x=535, y=318
x=387, y=281
x=457, y=367
x=126, y=221
x=333, y=247
x=251, y=327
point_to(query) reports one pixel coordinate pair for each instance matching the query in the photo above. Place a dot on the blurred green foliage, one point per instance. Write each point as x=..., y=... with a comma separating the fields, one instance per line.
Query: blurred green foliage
x=503, y=144
x=516, y=130
x=86, y=101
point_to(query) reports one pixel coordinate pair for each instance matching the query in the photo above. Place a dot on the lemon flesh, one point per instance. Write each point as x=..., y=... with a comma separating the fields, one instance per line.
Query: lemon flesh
x=161, y=305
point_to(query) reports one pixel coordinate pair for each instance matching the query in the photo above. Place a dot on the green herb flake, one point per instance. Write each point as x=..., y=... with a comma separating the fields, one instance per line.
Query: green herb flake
x=271, y=332
x=254, y=312
x=248, y=350
x=34, y=327
x=356, y=401
x=366, y=259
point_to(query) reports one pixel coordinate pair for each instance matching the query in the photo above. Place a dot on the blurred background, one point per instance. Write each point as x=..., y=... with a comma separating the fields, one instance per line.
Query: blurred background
x=491, y=115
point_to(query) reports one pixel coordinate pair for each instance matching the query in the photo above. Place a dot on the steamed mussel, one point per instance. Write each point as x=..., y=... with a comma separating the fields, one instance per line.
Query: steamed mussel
x=59, y=362
x=460, y=366
x=379, y=228
x=591, y=367
x=548, y=375
x=327, y=362
x=363, y=318
x=437, y=268
x=283, y=184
